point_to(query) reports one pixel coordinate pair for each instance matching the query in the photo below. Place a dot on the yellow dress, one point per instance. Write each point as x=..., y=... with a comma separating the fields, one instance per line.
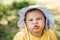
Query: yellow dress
x=22, y=36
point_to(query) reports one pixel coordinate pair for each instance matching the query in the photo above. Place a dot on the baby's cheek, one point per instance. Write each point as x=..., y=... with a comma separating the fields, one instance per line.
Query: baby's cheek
x=29, y=25
x=39, y=22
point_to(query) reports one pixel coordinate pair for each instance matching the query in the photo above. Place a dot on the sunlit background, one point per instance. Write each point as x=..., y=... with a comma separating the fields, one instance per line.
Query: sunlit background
x=9, y=15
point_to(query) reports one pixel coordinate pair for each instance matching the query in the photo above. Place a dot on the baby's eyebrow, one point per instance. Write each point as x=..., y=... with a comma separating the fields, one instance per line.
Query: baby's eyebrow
x=39, y=18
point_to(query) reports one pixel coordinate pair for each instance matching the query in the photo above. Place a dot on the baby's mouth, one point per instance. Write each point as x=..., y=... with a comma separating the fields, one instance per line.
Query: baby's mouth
x=36, y=27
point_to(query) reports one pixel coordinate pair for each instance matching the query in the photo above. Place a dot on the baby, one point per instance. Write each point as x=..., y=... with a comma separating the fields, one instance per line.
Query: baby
x=35, y=23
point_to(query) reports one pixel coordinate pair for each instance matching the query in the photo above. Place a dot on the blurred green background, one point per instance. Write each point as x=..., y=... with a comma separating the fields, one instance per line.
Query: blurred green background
x=9, y=15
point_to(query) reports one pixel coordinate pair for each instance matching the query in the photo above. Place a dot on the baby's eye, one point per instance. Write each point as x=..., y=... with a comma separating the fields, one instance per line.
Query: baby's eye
x=31, y=20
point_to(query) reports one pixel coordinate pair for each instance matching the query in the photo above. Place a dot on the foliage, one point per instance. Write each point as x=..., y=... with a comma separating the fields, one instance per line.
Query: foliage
x=21, y=4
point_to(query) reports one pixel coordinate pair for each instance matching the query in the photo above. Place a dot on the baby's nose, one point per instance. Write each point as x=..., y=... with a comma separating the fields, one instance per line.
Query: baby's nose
x=35, y=22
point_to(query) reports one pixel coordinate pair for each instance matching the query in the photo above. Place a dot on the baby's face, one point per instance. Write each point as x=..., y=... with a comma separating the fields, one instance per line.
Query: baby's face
x=35, y=21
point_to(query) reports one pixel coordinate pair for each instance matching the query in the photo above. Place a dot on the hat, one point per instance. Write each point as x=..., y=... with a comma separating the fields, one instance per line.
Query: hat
x=48, y=15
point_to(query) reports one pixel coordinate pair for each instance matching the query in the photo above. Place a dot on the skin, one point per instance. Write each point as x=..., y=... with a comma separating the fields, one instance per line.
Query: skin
x=35, y=22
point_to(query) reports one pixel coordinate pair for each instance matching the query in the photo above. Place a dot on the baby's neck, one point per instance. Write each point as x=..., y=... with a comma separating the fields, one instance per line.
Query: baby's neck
x=38, y=35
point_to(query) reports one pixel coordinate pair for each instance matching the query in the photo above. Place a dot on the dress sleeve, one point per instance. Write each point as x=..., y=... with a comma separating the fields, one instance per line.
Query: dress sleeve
x=19, y=36
x=52, y=35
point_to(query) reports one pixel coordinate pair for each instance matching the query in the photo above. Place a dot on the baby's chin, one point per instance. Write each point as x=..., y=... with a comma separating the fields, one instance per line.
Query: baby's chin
x=36, y=30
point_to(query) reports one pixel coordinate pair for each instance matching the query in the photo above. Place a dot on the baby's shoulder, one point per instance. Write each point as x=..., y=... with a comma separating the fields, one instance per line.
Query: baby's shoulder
x=21, y=32
x=52, y=35
x=20, y=35
x=50, y=32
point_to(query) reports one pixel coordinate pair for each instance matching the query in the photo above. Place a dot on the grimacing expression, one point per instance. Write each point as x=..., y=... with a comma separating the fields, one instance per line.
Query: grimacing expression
x=35, y=21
